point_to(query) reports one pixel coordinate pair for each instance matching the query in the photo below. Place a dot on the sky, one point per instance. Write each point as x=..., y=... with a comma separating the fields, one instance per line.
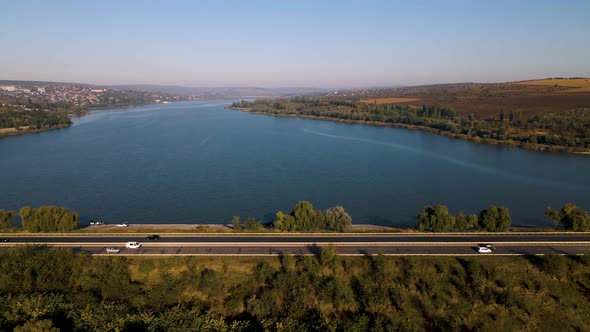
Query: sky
x=330, y=44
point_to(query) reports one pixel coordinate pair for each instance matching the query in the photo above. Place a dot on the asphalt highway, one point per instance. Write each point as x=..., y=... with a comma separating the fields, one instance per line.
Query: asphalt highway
x=349, y=244
x=312, y=238
x=265, y=250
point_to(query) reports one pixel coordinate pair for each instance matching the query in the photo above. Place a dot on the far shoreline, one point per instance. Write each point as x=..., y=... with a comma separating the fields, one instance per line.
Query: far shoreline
x=12, y=131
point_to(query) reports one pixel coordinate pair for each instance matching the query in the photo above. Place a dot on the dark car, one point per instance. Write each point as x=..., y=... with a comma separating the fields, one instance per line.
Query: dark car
x=153, y=237
x=4, y=240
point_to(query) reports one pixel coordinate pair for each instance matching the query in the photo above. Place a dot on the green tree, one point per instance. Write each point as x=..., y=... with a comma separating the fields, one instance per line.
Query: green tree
x=495, y=219
x=6, y=218
x=552, y=215
x=571, y=217
x=305, y=218
x=284, y=222
x=435, y=217
x=337, y=219
x=25, y=215
x=304, y=215
x=235, y=221
x=463, y=221
x=48, y=219
x=252, y=224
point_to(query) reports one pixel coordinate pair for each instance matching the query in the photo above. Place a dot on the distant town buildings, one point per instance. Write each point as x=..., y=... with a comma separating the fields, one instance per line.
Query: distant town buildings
x=80, y=95
x=9, y=88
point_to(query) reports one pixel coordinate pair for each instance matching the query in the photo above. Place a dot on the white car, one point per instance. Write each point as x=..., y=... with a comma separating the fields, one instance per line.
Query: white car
x=484, y=250
x=133, y=245
x=113, y=250
x=125, y=224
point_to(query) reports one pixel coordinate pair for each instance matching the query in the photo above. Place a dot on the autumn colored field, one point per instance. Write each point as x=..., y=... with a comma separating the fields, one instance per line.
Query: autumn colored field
x=394, y=100
x=567, y=82
x=489, y=100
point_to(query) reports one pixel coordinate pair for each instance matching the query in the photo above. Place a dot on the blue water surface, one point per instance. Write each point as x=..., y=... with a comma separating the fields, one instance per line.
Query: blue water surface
x=200, y=163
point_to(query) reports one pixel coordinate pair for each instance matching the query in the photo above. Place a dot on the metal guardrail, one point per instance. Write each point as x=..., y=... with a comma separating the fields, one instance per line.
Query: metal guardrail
x=290, y=244
x=279, y=254
x=290, y=234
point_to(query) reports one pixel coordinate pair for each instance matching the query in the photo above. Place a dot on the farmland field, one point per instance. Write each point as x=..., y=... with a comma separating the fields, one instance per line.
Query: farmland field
x=489, y=100
x=394, y=100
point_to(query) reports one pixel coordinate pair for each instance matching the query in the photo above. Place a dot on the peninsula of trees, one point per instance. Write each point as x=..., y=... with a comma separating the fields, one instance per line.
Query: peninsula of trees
x=567, y=131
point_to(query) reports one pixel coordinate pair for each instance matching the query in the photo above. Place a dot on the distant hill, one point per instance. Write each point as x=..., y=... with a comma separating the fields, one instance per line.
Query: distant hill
x=199, y=92
x=531, y=97
x=223, y=92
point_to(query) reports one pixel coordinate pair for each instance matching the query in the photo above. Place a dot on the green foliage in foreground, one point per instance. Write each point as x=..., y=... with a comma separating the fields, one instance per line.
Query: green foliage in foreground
x=45, y=289
x=48, y=219
x=438, y=219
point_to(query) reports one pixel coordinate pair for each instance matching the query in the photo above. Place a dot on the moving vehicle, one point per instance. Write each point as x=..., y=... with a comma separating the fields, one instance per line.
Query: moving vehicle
x=133, y=245
x=125, y=224
x=153, y=237
x=113, y=250
x=484, y=250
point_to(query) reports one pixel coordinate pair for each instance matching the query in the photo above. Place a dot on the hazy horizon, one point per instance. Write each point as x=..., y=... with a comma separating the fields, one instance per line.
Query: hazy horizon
x=302, y=44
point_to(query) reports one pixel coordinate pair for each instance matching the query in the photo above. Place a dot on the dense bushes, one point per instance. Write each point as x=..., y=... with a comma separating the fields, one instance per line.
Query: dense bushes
x=302, y=218
x=41, y=289
x=11, y=117
x=571, y=217
x=6, y=218
x=305, y=218
x=48, y=219
x=495, y=219
x=438, y=219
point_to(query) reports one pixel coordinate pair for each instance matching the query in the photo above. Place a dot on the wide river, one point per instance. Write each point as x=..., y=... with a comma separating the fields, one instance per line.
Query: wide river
x=200, y=163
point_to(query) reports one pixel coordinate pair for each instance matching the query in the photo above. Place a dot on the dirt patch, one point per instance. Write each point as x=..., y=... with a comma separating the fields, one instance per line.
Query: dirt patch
x=566, y=82
x=7, y=130
x=156, y=228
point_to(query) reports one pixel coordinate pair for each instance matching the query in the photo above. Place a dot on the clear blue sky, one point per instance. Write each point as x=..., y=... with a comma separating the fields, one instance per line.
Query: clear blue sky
x=293, y=43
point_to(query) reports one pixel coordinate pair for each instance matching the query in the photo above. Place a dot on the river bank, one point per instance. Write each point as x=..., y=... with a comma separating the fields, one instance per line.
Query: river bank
x=228, y=229
x=510, y=143
x=7, y=132
x=215, y=228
